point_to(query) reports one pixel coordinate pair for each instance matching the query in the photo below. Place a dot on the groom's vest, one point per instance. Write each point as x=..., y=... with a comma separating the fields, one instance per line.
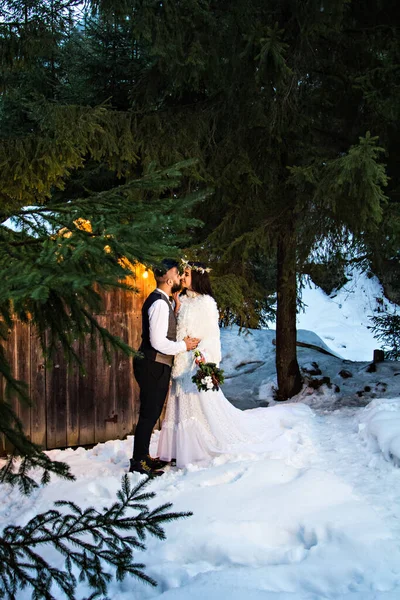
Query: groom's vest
x=145, y=347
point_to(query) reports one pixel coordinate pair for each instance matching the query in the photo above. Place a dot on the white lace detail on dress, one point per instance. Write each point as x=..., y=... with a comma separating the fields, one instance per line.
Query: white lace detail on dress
x=199, y=425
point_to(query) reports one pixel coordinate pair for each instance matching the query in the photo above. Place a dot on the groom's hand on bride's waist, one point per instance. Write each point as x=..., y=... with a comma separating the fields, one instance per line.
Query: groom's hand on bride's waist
x=191, y=343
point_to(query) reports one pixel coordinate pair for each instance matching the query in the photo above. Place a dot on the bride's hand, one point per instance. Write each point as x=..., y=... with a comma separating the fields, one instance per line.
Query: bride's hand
x=177, y=302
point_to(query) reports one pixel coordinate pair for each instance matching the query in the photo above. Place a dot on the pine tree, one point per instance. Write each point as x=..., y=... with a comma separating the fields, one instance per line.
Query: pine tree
x=87, y=539
x=101, y=61
x=386, y=329
x=64, y=165
x=275, y=99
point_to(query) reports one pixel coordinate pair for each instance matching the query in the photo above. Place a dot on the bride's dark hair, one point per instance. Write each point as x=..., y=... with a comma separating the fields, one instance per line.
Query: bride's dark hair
x=200, y=281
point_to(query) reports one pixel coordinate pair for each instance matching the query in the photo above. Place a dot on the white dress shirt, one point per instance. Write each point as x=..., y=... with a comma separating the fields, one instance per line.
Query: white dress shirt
x=158, y=323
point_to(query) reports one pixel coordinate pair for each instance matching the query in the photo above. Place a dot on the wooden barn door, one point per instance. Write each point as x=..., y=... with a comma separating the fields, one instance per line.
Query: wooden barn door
x=74, y=409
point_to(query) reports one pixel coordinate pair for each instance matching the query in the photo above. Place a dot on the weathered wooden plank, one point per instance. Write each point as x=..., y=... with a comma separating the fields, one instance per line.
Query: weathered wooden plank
x=110, y=415
x=37, y=391
x=87, y=395
x=104, y=406
x=73, y=401
x=12, y=358
x=3, y=443
x=22, y=370
x=124, y=390
x=15, y=352
x=19, y=362
x=56, y=402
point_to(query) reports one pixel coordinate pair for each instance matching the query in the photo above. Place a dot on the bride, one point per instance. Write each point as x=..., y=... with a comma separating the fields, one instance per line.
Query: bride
x=200, y=425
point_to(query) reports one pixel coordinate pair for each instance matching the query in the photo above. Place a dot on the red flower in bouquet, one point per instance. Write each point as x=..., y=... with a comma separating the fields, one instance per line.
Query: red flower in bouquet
x=199, y=360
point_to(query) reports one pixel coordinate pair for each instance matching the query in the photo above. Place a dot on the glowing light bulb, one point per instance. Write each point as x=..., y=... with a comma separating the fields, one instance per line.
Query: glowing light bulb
x=145, y=274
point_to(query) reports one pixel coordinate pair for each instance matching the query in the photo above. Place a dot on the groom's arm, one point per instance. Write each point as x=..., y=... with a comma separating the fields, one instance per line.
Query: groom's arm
x=158, y=321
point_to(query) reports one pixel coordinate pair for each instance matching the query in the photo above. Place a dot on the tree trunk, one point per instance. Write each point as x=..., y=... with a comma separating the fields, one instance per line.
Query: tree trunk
x=287, y=368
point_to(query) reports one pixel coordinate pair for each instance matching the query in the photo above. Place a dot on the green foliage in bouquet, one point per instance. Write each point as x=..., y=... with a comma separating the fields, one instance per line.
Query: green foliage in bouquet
x=208, y=376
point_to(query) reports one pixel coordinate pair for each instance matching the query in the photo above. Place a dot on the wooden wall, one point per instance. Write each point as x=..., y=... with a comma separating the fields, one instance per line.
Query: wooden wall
x=71, y=409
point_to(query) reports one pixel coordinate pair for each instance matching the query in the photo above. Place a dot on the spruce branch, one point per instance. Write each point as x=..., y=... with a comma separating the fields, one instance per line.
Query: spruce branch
x=16, y=470
x=386, y=329
x=87, y=539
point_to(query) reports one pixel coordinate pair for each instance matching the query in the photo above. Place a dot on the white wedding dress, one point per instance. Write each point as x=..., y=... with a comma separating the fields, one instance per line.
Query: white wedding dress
x=200, y=425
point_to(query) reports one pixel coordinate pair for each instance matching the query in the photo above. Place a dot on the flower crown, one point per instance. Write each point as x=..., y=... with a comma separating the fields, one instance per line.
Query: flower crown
x=202, y=270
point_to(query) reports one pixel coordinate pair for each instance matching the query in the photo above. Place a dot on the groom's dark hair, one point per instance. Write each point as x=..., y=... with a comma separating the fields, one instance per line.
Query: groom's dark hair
x=163, y=267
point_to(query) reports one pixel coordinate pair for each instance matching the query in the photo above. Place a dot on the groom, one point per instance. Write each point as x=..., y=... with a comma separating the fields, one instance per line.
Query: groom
x=153, y=371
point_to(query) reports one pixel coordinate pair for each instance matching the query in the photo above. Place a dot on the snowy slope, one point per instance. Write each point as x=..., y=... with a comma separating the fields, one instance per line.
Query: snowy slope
x=342, y=319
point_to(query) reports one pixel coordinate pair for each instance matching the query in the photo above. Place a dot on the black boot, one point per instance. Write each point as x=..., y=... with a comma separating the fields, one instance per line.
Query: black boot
x=156, y=463
x=143, y=466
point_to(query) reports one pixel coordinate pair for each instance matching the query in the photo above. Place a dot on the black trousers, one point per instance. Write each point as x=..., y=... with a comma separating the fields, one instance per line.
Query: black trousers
x=153, y=379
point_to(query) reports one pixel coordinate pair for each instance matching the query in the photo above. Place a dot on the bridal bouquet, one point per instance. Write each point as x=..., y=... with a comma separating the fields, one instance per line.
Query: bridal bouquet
x=208, y=376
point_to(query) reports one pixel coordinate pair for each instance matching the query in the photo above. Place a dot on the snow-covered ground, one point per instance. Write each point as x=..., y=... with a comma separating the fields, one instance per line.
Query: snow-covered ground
x=342, y=318
x=315, y=516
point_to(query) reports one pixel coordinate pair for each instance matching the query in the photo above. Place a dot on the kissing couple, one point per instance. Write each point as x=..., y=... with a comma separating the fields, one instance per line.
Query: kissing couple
x=198, y=425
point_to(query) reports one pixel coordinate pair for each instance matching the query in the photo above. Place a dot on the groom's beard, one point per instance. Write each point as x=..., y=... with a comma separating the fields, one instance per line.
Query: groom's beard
x=176, y=288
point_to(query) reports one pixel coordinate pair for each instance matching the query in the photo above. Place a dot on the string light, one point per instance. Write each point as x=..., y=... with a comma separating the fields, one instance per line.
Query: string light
x=145, y=274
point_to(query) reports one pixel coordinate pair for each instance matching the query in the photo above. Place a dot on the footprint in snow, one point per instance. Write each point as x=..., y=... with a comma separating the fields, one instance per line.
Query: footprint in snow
x=229, y=477
x=99, y=490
